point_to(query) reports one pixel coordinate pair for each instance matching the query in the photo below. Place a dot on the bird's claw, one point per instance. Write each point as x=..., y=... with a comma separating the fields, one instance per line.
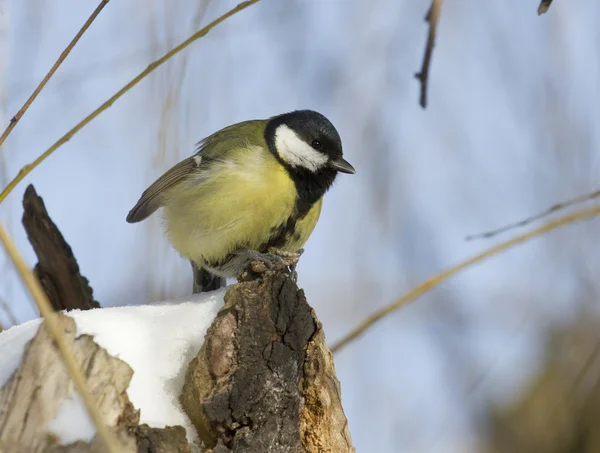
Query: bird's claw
x=273, y=260
x=289, y=259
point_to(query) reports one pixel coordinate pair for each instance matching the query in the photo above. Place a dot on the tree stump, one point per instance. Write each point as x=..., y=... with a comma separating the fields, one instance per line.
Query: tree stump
x=264, y=381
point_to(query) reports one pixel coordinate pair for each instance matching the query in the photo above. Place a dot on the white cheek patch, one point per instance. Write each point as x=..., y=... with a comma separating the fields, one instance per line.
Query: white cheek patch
x=296, y=152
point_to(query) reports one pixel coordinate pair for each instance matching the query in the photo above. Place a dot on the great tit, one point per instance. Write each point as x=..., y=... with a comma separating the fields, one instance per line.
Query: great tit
x=249, y=187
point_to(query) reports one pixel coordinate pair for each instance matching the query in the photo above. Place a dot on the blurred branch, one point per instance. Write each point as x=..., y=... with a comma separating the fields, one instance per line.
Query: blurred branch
x=558, y=411
x=527, y=221
x=15, y=119
x=432, y=18
x=544, y=5
x=151, y=67
x=57, y=269
x=34, y=287
x=445, y=275
x=8, y=311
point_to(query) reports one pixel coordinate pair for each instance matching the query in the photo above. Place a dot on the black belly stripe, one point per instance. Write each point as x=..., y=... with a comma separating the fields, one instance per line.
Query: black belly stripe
x=282, y=233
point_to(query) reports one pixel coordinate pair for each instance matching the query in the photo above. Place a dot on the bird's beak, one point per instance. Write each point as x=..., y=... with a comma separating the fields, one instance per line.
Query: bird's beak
x=342, y=165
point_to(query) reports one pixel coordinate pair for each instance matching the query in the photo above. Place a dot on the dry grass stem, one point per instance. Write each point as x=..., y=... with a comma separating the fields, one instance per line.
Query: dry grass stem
x=33, y=285
x=15, y=119
x=151, y=67
x=445, y=275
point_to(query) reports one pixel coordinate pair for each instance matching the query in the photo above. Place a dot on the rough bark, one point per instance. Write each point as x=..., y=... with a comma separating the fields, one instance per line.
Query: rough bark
x=57, y=268
x=171, y=439
x=264, y=380
x=31, y=398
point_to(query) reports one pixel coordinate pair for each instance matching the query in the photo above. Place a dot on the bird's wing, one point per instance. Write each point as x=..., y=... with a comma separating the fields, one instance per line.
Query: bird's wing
x=209, y=150
x=150, y=200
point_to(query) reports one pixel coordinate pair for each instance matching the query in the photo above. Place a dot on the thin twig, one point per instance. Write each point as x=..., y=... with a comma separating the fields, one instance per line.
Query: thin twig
x=8, y=311
x=432, y=17
x=15, y=119
x=552, y=209
x=151, y=67
x=445, y=275
x=73, y=369
x=544, y=5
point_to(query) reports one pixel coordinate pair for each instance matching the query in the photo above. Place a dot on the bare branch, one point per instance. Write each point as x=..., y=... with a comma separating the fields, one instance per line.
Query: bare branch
x=445, y=275
x=151, y=67
x=527, y=221
x=432, y=18
x=15, y=119
x=544, y=5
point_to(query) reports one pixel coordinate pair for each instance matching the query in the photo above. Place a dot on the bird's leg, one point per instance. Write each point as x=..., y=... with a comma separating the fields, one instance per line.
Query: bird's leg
x=293, y=258
x=275, y=259
x=290, y=259
x=205, y=281
x=270, y=260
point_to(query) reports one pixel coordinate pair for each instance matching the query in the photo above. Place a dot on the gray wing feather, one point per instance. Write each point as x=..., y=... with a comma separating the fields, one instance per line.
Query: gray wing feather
x=210, y=149
x=151, y=200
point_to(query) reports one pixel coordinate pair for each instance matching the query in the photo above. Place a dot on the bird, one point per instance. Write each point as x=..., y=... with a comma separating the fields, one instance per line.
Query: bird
x=250, y=187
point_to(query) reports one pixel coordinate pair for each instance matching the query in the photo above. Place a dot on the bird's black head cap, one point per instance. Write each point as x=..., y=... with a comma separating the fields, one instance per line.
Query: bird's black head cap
x=310, y=148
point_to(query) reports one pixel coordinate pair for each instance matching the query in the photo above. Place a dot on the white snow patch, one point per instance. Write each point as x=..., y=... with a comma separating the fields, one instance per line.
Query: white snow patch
x=72, y=423
x=157, y=341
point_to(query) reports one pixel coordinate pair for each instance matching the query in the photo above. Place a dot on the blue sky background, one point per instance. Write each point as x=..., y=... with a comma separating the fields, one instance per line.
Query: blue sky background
x=510, y=129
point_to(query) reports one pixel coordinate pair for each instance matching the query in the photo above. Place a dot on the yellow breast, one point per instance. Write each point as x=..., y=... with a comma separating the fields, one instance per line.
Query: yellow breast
x=236, y=204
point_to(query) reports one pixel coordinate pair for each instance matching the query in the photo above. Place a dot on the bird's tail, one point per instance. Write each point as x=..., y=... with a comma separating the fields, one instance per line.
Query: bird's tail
x=204, y=281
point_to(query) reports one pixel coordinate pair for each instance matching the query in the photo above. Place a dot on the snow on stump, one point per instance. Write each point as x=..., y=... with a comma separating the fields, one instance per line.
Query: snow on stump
x=32, y=400
x=264, y=381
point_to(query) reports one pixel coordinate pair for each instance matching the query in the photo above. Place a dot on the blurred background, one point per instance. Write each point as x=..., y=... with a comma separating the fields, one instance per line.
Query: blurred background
x=501, y=358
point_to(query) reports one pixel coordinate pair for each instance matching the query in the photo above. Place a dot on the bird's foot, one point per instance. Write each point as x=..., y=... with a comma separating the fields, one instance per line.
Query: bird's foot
x=273, y=261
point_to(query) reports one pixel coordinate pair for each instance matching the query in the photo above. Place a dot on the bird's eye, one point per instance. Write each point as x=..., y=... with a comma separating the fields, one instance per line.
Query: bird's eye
x=316, y=144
